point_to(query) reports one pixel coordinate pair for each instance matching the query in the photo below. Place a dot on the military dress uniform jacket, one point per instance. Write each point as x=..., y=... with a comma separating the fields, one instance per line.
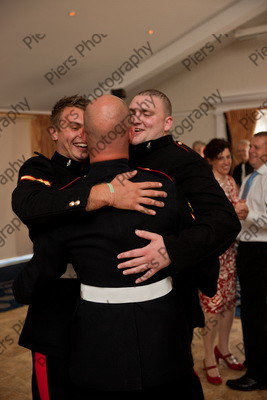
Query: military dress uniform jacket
x=117, y=346
x=36, y=198
x=40, y=205
x=217, y=224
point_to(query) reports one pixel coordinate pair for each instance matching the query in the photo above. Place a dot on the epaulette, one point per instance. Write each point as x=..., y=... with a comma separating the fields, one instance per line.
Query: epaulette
x=70, y=183
x=41, y=155
x=182, y=145
x=157, y=172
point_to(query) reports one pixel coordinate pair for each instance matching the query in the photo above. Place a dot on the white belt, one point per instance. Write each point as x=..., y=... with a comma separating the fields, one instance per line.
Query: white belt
x=132, y=294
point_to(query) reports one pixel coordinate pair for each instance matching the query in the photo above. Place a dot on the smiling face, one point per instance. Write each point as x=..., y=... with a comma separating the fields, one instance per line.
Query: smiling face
x=149, y=119
x=221, y=165
x=258, y=151
x=69, y=134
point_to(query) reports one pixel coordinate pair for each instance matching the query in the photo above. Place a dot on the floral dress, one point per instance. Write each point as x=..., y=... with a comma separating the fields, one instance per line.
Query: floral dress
x=226, y=296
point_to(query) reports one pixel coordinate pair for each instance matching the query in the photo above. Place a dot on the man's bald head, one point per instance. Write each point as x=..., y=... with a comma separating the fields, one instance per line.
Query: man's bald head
x=107, y=124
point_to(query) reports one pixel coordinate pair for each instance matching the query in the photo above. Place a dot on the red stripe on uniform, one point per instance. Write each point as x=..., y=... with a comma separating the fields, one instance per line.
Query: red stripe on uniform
x=159, y=172
x=68, y=184
x=41, y=375
x=180, y=145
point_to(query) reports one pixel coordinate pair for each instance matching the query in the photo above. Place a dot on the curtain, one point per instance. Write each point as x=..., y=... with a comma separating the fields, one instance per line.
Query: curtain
x=40, y=138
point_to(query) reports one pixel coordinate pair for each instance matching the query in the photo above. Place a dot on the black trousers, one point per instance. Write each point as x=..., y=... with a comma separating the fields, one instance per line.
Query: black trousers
x=252, y=272
x=50, y=381
x=50, y=378
x=186, y=388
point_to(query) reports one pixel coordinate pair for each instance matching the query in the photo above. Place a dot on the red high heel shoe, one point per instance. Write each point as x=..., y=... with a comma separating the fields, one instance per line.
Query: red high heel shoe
x=232, y=364
x=215, y=380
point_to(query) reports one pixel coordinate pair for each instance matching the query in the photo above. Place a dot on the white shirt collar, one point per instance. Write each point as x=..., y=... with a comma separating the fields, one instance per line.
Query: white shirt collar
x=262, y=169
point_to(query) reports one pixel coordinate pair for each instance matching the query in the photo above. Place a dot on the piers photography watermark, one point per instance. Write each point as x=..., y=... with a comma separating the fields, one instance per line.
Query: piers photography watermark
x=258, y=56
x=253, y=229
x=120, y=129
x=12, y=337
x=8, y=229
x=210, y=324
x=253, y=116
x=203, y=52
x=81, y=50
x=117, y=76
x=187, y=123
x=33, y=39
x=11, y=172
x=11, y=115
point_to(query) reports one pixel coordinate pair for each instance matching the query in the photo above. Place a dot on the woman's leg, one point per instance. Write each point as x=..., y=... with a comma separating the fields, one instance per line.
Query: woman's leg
x=209, y=335
x=225, y=324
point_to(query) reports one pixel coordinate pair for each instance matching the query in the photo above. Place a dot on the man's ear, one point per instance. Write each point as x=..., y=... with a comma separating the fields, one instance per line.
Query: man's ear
x=168, y=123
x=53, y=133
x=130, y=132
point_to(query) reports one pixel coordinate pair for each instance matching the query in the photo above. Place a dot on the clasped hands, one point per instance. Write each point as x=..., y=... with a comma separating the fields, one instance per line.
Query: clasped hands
x=241, y=209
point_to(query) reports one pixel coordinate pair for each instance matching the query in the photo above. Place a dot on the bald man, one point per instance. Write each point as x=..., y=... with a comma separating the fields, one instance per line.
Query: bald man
x=126, y=338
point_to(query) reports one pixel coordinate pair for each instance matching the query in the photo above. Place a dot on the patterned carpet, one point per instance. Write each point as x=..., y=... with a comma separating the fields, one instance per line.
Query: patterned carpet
x=7, y=275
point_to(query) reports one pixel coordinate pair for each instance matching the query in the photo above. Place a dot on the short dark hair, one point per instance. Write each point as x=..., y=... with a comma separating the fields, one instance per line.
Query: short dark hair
x=261, y=134
x=162, y=96
x=215, y=147
x=70, y=101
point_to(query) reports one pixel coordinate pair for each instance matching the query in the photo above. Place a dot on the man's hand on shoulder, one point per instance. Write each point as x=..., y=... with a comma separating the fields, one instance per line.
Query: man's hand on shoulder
x=126, y=195
x=151, y=258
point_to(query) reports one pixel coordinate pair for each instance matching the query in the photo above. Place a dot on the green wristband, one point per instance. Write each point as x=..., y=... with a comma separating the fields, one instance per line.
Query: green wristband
x=111, y=188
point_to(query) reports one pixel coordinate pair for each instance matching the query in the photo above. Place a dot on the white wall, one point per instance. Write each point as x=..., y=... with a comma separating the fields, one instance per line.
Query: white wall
x=15, y=149
x=227, y=69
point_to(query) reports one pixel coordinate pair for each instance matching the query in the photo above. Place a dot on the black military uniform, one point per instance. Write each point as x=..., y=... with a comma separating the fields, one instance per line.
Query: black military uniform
x=216, y=225
x=197, y=249
x=118, y=347
x=40, y=205
x=32, y=200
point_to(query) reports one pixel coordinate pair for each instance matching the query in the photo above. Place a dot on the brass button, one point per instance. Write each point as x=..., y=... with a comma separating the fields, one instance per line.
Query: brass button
x=77, y=202
x=71, y=204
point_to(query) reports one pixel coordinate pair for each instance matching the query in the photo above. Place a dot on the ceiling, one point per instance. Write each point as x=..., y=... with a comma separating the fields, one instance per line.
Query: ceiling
x=46, y=54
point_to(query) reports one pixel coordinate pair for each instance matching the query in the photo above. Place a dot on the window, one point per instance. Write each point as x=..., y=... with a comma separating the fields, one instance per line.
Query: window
x=261, y=123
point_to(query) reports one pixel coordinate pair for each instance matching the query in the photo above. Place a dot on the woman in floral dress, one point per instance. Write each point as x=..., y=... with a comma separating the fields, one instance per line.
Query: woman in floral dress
x=219, y=310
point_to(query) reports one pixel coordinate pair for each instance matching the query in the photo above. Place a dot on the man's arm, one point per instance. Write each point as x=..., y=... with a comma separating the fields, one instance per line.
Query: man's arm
x=47, y=263
x=34, y=200
x=216, y=224
x=253, y=217
x=215, y=228
x=126, y=195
